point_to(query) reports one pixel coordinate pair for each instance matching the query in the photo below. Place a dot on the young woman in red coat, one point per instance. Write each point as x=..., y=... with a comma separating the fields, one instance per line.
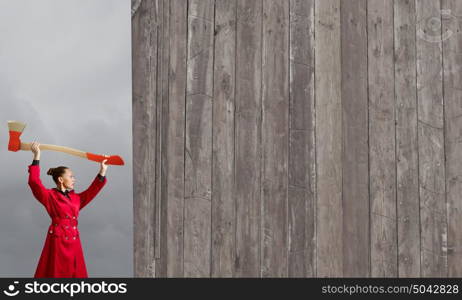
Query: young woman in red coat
x=62, y=254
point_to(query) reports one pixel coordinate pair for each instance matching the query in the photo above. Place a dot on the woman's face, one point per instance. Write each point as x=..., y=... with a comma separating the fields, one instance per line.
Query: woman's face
x=67, y=179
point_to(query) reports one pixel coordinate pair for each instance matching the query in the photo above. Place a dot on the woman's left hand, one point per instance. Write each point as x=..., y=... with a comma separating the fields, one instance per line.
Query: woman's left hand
x=103, y=168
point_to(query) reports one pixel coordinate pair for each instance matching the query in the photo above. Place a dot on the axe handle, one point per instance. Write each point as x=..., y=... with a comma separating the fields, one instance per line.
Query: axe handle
x=75, y=152
x=111, y=160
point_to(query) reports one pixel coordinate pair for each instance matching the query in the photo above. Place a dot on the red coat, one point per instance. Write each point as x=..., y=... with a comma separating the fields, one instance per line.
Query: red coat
x=62, y=254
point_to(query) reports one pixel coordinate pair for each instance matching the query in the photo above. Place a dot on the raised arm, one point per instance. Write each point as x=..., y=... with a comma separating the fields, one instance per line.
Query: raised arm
x=39, y=191
x=97, y=184
x=91, y=192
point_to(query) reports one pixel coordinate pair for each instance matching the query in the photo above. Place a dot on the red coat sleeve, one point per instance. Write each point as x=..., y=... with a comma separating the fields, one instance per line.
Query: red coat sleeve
x=40, y=192
x=91, y=192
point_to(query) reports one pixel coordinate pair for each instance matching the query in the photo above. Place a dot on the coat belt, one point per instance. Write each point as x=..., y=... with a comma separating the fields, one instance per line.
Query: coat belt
x=68, y=220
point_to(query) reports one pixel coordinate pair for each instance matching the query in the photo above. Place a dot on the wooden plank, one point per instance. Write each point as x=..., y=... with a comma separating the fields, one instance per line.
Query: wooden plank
x=275, y=137
x=223, y=206
x=198, y=161
x=302, y=171
x=173, y=204
x=382, y=139
x=452, y=87
x=431, y=141
x=247, y=137
x=329, y=213
x=144, y=68
x=355, y=161
x=162, y=231
x=407, y=193
x=162, y=102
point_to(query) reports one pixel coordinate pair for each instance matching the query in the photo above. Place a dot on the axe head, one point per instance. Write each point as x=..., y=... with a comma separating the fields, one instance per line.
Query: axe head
x=111, y=160
x=15, y=128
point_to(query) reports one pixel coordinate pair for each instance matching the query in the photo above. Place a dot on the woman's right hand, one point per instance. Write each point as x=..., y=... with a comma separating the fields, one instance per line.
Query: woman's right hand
x=34, y=147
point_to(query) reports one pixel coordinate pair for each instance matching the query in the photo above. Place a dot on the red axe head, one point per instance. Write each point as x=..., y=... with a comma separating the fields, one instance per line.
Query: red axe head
x=15, y=128
x=111, y=160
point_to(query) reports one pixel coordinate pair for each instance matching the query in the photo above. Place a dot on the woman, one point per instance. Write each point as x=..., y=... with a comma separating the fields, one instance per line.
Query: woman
x=62, y=254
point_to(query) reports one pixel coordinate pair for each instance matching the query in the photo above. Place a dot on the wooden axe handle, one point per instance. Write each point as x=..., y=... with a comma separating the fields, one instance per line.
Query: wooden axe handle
x=111, y=160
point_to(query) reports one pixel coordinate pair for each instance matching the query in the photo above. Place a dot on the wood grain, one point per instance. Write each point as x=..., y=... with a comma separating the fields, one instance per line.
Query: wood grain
x=274, y=138
x=302, y=159
x=452, y=88
x=198, y=147
x=382, y=139
x=248, y=138
x=144, y=103
x=223, y=200
x=329, y=213
x=407, y=173
x=355, y=155
x=431, y=141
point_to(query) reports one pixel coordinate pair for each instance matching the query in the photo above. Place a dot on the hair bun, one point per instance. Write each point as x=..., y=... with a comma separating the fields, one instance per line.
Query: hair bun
x=50, y=171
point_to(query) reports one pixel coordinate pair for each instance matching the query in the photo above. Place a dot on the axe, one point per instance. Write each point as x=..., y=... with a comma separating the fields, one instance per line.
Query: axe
x=15, y=144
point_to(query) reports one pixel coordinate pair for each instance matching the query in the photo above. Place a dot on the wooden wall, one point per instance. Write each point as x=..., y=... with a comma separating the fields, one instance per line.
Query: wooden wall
x=291, y=138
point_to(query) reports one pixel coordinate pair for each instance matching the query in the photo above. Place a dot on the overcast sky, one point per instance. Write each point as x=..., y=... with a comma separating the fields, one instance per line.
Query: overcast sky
x=65, y=71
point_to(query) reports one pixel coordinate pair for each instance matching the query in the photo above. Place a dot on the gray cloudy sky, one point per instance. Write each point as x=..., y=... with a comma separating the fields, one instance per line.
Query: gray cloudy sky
x=65, y=71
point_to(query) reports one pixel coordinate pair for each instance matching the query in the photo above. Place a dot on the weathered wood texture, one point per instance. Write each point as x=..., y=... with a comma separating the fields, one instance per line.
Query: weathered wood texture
x=297, y=138
x=452, y=87
x=355, y=187
x=382, y=160
x=430, y=135
x=329, y=139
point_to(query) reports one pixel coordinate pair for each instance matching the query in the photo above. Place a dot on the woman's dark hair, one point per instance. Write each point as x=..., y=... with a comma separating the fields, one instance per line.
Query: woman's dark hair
x=56, y=172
